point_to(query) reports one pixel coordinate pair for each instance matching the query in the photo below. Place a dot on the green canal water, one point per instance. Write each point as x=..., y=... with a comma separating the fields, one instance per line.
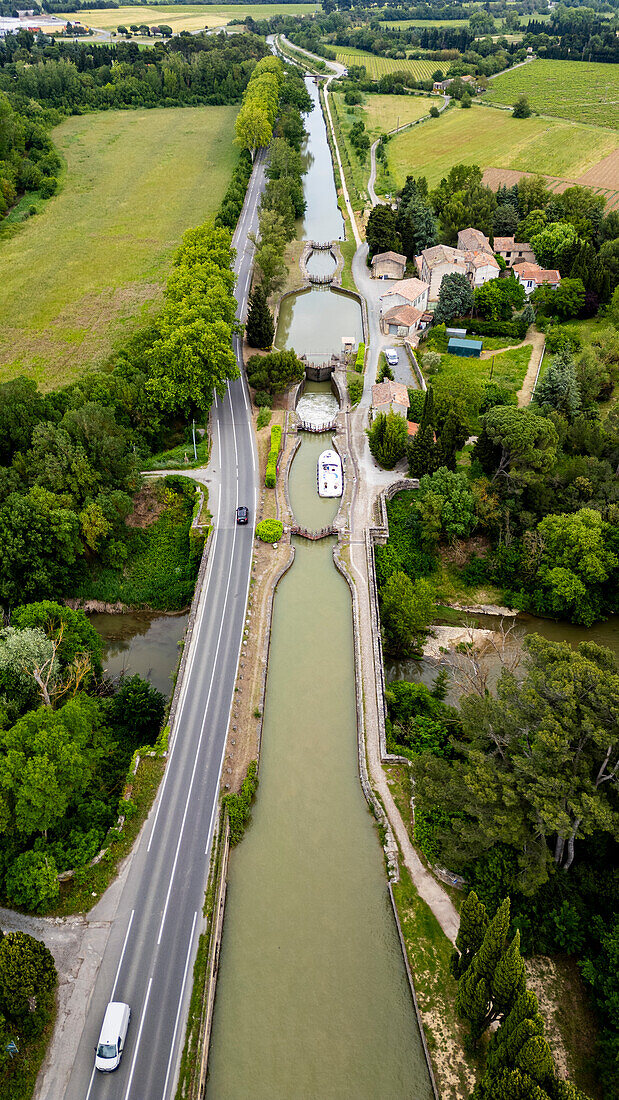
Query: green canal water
x=312, y=999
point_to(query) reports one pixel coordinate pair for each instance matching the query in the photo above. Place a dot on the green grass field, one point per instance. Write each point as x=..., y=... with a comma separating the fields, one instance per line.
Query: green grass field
x=81, y=274
x=404, y=24
x=509, y=370
x=382, y=113
x=582, y=91
x=186, y=17
x=493, y=139
x=378, y=66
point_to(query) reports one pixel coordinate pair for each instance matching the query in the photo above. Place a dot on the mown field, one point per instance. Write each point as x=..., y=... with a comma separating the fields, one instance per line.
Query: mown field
x=493, y=139
x=186, y=17
x=382, y=113
x=378, y=66
x=582, y=91
x=81, y=273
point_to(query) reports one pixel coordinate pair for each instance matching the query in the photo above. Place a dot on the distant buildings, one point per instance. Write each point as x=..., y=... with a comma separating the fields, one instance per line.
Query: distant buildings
x=512, y=252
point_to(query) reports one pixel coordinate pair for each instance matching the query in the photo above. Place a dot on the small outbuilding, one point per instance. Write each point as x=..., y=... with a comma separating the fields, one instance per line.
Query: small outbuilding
x=468, y=348
x=388, y=265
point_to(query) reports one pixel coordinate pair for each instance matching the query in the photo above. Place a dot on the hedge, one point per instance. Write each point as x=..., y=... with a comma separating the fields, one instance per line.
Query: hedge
x=360, y=359
x=271, y=470
x=355, y=390
x=516, y=328
x=239, y=805
x=270, y=530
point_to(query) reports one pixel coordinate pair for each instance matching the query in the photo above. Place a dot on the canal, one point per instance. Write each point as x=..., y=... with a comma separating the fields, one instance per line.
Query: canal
x=312, y=997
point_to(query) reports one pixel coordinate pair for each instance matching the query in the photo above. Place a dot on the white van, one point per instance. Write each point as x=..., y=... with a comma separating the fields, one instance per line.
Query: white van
x=111, y=1043
x=392, y=357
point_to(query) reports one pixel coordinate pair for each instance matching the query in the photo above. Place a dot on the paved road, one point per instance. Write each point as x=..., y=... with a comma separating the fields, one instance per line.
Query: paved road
x=149, y=956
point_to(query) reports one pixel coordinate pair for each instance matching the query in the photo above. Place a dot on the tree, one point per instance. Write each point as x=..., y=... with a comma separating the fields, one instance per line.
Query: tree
x=27, y=974
x=516, y=444
x=259, y=328
x=521, y=108
x=564, y=301
x=48, y=759
x=381, y=231
x=559, y=389
x=20, y=652
x=556, y=246
x=252, y=128
x=547, y=747
x=494, y=978
x=21, y=409
x=274, y=373
x=498, y=298
x=191, y=359
x=576, y=563
x=533, y=194
x=466, y=100
x=39, y=545
x=32, y=881
x=449, y=498
x=471, y=931
x=416, y=225
x=406, y=612
x=78, y=635
x=505, y=221
x=455, y=298
x=422, y=452
x=136, y=711
x=387, y=438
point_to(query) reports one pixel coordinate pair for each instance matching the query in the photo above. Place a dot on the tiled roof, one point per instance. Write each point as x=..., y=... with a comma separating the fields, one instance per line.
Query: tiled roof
x=408, y=288
x=442, y=254
x=473, y=239
x=537, y=274
x=481, y=259
x=507, y=244
x=385, y=393
x=396, y=256
x=403, y=315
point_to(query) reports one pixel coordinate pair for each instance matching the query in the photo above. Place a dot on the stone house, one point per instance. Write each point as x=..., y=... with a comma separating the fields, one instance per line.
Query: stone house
x=388, y=265
x=531, y=276
x=473, y=240
x=512, y=252
x=389, y=397
x=404, y=321
x=435, y=263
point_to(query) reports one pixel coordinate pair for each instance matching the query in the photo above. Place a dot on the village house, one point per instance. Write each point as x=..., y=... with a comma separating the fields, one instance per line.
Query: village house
x=388, y=265
x=531, y=276
x=390, y=397
x=408, y=292
x=404, y=321
x=473, y=258
x=512, y=252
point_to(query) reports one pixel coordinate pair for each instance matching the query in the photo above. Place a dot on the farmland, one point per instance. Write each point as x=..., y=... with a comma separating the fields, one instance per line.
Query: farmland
x=493, y=139
x=79, y=275
x=186, y=17
x=378, y=66
x=382, y=113
x=577, y=90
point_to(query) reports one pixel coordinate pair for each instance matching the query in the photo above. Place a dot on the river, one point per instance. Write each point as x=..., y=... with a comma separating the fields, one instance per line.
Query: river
x=312, y=1001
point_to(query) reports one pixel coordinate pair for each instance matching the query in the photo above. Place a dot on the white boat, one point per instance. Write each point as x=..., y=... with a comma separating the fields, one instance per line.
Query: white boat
x=329, y=475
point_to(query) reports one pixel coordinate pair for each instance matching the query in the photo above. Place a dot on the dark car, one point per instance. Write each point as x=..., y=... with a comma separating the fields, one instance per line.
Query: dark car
x=242, y=514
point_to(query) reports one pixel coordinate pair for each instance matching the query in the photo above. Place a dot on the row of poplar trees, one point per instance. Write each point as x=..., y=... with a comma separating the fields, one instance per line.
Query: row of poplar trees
x=492, y=990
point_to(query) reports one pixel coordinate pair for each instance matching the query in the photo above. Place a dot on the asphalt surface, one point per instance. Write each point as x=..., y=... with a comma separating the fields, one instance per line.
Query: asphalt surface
x=148, y=961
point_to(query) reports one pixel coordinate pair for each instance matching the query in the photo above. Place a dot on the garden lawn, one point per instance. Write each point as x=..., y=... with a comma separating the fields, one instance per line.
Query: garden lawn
x=584, y=91
x=378, y=66
x=185, y=17
x=79, y=277
x=493, y=139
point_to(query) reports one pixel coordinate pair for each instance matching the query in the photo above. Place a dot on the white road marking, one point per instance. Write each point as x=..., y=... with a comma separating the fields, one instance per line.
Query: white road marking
x=90, y=1083
x=137, y=1044
x=122, y=955
x=180, y=1005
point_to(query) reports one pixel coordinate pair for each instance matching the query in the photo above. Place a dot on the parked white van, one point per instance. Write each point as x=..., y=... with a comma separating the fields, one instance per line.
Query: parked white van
x=111, y=1043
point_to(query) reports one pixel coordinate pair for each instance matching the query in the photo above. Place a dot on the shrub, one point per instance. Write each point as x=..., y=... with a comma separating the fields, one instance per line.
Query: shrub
x=434, y=112
x=270, y=530
x=239, y=805
x=31, y=881
x=360, y=359
x=355, y=390
x=264, y=417
x=263, y=400
x=271, y=470
x=48, y=187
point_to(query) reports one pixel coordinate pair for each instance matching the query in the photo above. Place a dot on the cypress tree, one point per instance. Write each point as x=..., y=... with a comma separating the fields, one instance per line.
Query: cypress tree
x=509, y=980
x=259, y=329
x=473, y=924
x=422, y=453
x=494, y=942
x=427, y=416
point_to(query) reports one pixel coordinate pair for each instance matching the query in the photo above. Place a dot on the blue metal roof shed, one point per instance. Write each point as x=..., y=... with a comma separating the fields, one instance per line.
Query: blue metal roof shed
x=470, y=348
